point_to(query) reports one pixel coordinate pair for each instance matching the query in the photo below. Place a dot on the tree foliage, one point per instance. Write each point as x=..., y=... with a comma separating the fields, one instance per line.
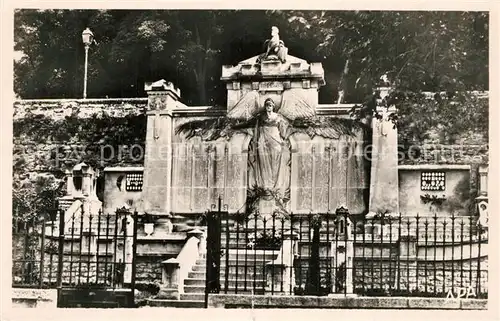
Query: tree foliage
x=34, y=197
x=432, y=51
x=414, y=50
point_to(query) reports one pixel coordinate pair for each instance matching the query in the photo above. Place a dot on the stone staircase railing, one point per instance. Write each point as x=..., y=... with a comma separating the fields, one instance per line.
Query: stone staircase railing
x=176, y=270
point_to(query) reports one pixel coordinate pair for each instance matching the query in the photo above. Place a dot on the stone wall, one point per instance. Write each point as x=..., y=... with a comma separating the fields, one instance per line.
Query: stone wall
x=50, y=135
x=86, y=272
x=437, y=153
x=149, y=268
x=324, y=173
x=456, y=192
x=59, y=109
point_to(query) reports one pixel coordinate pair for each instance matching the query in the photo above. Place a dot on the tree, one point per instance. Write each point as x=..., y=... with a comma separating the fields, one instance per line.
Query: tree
x=52, y=48
x=431, y=51
x=34, y=197
x=417, y=51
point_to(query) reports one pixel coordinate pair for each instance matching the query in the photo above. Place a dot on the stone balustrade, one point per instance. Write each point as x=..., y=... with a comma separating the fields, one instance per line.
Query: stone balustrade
x=175, y=270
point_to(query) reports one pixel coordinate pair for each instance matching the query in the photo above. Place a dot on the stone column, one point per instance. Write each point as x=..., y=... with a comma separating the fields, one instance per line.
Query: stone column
x=163, y=98
x=69, y=183
x=279, y=274
x=349, y=255
x=482, y=199
x=483, y=180
x=128, y=231
x=86, y=180
x=384, y=184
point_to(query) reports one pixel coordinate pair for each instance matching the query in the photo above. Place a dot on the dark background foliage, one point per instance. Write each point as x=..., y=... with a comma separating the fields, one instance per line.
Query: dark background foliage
x=431, y=51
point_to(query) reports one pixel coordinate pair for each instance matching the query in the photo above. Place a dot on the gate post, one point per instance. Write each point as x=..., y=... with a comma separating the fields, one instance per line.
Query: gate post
x=128, y=247
x=313, y=285
x=134, y=256
x=60, y=252
x=213, y=253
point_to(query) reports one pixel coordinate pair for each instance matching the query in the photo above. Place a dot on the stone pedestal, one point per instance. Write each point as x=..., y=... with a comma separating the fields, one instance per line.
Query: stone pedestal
x=280, y=275
x=296, y=78
x=169, y=288
x=163, y=98
x=128, y=247
x=407, y=271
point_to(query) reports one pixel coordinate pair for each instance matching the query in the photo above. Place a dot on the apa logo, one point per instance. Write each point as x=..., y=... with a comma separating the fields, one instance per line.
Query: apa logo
x=463, y=292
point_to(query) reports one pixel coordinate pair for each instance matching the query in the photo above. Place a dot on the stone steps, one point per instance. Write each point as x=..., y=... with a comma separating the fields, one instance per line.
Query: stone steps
x=194, y=288
x=192, y=296
x=197, y=275
x=232, y=282
x=176, y=303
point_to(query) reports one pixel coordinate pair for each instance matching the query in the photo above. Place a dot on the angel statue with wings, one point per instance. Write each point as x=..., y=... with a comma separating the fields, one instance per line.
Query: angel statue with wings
x=268, y=152
x=270, y=128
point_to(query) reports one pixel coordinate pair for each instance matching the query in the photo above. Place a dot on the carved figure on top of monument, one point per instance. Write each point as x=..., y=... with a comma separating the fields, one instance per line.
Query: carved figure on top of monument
x=274, y=47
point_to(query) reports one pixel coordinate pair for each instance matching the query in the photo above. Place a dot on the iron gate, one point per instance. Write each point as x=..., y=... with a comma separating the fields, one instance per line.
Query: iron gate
x=97, y=259
x=214, y=252
x=275, y=254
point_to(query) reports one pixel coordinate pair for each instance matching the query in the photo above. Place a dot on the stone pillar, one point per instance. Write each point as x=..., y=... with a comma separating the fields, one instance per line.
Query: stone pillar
x=87, y=178
x=69, y=183
x=200, y=235
x=280, y=273
x=128, y=247
x=406, y=273
x=384, y=184
x=290, y=247
x=163, y=98
x=482, y=199
x=483, y=180
x=349, y=252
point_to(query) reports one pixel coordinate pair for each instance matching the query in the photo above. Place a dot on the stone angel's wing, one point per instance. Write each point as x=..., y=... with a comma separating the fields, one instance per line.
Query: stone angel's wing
x=214, y=128
x=294, y=105
x=246, y=108
x=327, y=127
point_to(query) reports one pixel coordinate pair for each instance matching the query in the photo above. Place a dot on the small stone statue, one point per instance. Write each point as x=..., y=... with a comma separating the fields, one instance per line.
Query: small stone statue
x=275, y=48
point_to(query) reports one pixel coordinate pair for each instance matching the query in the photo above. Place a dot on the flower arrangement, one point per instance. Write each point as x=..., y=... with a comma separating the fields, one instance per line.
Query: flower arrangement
x=266, y=239
x=433, y=199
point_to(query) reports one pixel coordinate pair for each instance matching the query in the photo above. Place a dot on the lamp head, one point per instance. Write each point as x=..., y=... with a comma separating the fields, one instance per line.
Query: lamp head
x=87, y=37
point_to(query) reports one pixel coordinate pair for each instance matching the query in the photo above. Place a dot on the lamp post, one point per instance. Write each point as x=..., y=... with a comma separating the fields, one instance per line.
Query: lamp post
x=88, y=38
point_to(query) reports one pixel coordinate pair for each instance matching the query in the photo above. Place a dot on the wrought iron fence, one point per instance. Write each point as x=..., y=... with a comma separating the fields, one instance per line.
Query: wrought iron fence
x=321, y=254
x=35, y=251
x=76, y=249
x=98, y=249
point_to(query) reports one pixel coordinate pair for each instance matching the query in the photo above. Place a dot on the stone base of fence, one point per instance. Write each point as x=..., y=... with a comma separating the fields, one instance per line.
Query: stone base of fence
x=229, y=301
x=34, y=298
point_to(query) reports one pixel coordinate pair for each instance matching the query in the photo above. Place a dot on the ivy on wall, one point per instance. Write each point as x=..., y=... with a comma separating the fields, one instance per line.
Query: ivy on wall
x=97, y=140
x=42, y=144
x=99, y=128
